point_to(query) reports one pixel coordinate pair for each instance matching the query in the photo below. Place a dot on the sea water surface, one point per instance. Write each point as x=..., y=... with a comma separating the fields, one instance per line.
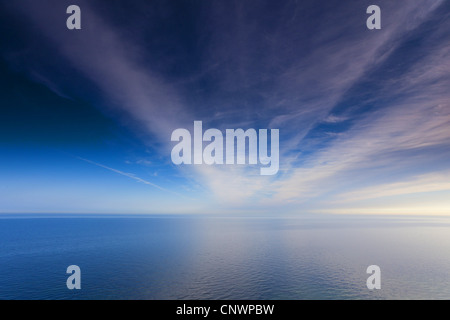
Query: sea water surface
x=204, y=257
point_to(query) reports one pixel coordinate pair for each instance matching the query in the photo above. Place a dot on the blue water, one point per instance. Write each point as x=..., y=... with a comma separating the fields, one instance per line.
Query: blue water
x=180, y=257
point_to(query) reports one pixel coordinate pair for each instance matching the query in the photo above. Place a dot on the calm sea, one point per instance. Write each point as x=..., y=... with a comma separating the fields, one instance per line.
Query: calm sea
x=197, y=257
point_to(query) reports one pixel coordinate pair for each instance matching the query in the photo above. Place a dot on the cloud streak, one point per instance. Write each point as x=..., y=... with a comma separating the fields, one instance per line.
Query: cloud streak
x=132, y=176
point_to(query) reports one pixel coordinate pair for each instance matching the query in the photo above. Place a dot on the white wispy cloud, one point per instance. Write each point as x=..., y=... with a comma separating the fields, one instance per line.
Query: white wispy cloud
x=334, y=119
x=387, y=148
x=296, y=87
x=110, y=61
x=310, y=96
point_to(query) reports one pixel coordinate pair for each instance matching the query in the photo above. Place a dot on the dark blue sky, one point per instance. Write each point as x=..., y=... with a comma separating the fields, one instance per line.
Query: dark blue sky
x=86, y=115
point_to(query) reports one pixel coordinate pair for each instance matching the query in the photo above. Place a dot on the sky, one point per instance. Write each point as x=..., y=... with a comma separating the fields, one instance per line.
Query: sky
x=87, y=115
